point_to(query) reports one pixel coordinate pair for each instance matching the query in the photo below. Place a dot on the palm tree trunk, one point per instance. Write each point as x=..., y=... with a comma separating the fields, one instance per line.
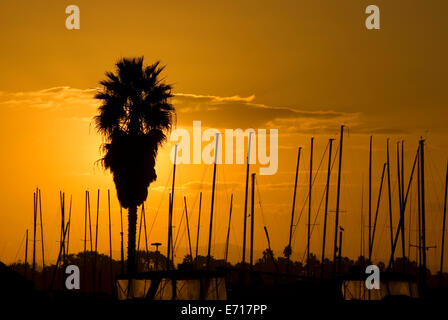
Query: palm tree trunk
x=132, y=230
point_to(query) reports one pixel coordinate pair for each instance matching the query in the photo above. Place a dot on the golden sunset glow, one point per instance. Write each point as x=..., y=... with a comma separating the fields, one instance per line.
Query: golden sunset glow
x=302, y=67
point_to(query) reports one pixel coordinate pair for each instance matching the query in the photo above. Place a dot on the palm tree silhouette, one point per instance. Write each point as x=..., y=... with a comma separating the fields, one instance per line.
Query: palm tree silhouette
x=134, y=117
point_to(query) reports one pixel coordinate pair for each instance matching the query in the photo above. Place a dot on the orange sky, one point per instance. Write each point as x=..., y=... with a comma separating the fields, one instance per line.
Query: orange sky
x=303, y=67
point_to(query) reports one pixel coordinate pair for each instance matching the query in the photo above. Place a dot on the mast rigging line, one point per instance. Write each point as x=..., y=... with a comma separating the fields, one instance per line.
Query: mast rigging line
x=20, y=247
x=314, y=180
x=321, y=200
x=402, y=209
x=161, y=200
x=259, y=201
x=315, y=219
x=163, y=196
x=178, y=230
x=192, y=209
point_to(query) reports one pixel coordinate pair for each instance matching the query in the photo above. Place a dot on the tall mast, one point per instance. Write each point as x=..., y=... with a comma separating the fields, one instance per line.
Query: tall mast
x=171, y=208
x=309, y=210
x=338, y=195
x=245, y=201
x=69, y=226
x=389, y=191
x=146, y=233
x=403, y=236
x=377, y=209
x=252, y=222
x=228, y=229
x=26, y=254
x=419, y=199
x=402, y=169
x=90, y=220
x=169, y=241
x=188, y=228
x=361, y=251
x=34, y=235
x=370, y=199
x=289, y=248
x=401, y=199
x=199, y=226
x=85, y=235
x=327, y=192
x=422, y=190
x=96, y=239
x=63, y=226
x=41, y=231
x=140, y=230
x=110, y=241
x=63, y=235
x=97, y=220
x=213, y=201
x=443, y=226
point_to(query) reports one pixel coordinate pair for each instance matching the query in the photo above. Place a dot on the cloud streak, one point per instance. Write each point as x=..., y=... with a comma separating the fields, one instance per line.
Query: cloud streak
x=214, y=111
x=243, y=112
x=51, y=98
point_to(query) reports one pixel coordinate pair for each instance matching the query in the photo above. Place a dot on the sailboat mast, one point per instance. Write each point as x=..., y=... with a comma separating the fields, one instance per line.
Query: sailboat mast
x=188, y=228
x=401, y=200
x=110, y=242
x=422, y=190
x=245, y=201
x=213, y=202
x=41, y=231
x=146, y=234
x=252, y=223
x=85, y=236
x=96, y=240
x=377, y=209
x=121, y=236
x=26, y=254
x=338, y=195
x=63, y=228
x=289, y=248
x=389, y=191
x=69, y=225
x=228, y=229
x=403, y=236
x=402, y=169
x=419, y=199
x=308, y=270
x=199, y=225
x=169, y=241
x=443, y=227
x=90, y=220
x=170, y=213
x=327, y=192
x=34, y=235
x=361, y=251
x=97, y=220
x=370, y=200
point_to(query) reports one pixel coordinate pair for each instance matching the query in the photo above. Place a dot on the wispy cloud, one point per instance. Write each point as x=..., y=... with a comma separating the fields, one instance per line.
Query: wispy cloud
x=244, y=112
x=212, y=99
x=214, y=111
x=51, y=98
